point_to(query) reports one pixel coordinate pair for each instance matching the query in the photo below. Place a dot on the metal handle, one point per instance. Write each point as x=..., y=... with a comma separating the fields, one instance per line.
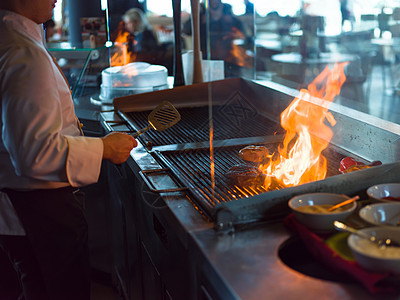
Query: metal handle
x=383, y=242
x=343, y=227
x=152, y=188
x=139, y=132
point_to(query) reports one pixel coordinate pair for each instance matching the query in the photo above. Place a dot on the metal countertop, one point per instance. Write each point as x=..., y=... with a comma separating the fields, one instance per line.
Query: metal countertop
x=246, y=261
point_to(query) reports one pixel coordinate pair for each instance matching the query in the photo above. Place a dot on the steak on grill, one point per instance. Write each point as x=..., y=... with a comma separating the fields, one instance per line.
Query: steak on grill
x=246, y=175
x=254, y=154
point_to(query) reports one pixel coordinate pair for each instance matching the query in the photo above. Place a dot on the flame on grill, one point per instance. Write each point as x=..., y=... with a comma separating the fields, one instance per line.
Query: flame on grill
x=122, y=56
x=299, y=159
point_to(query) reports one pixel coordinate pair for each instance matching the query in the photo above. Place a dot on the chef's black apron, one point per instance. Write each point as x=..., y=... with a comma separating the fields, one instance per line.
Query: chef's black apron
x=56, y=226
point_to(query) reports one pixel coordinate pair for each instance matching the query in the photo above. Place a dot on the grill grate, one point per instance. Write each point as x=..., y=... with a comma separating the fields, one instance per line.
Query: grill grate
x=192, y=168
x=194, y=125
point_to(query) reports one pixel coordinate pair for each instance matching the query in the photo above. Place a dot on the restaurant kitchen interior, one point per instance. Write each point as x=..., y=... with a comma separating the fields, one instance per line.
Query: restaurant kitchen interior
x=187, y=217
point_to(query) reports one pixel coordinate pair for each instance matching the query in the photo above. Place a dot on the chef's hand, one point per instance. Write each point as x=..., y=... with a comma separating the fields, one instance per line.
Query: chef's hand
x=117, y=147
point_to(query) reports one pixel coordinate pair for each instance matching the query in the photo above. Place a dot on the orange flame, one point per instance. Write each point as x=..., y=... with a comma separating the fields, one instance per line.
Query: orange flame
x=212, y=160
x=122, y=56
x=238, y=54
x=299, y=159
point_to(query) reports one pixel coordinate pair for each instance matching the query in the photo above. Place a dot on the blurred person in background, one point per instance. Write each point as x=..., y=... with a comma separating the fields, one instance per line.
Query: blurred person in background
x=225, y=30
x=135, y=33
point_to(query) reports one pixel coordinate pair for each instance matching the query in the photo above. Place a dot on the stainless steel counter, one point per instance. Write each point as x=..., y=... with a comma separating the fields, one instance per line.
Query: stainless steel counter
x=241, y=265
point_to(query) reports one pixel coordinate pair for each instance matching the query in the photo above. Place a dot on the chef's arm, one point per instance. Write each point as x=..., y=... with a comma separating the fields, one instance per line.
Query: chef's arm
x=117, y=147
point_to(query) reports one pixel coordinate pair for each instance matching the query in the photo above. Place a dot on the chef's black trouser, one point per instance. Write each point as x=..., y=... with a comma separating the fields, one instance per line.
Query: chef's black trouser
x=20, y=275
x=56, y=229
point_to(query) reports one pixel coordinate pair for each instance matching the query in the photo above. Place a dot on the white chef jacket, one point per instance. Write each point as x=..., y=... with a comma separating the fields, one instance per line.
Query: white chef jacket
x=41, y=143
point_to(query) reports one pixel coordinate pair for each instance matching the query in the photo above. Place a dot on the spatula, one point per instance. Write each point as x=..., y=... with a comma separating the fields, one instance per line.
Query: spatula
x=162, y=117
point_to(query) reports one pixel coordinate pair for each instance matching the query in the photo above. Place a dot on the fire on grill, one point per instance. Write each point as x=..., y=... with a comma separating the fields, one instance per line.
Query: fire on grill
x=299, y=160
x=245, y=117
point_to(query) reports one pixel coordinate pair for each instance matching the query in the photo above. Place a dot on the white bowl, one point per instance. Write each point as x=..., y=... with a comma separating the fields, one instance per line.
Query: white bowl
x=380, y=191
x=385, y=213
x=373, y=258
x=320, y=222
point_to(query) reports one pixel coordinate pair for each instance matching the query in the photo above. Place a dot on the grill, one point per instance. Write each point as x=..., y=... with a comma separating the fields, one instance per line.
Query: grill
x=245, y=113
x=192, y=167
x=228, y=121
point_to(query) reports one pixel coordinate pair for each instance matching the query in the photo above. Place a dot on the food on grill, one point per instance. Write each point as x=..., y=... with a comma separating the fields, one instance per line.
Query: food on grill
x=254, y=154
x=349, y=164
x=321, y=209
x=245, y=175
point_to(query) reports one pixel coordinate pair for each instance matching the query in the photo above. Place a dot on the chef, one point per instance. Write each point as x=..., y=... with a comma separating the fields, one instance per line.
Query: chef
x=44, y=159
